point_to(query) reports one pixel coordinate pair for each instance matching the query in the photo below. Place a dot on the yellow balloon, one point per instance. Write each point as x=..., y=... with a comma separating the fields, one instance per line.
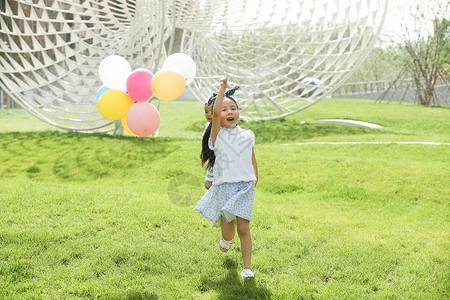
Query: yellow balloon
x=125, y=126
x=114, y=104
x=168, y=85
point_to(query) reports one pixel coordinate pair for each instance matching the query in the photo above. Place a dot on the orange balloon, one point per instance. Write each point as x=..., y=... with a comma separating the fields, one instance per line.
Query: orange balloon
x=125, y=126
x=114, y=104
x=168, y=85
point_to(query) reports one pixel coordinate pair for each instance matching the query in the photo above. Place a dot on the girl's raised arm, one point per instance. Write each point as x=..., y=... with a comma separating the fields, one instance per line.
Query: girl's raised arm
x=217, y=110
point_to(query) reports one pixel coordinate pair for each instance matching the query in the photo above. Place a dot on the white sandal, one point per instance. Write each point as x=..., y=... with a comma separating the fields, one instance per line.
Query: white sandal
x=247, y=274
x=224, y=245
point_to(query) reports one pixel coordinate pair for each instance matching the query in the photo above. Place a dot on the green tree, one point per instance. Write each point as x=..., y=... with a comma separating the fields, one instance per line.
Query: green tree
x=380, y=65
x=426, y=57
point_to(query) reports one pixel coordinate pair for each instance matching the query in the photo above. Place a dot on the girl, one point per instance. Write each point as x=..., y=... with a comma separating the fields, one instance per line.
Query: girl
x=235, y=173
x=208, y=154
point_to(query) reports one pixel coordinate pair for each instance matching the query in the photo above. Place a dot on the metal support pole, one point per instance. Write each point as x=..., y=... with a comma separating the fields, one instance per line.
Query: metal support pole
x=172, y=37
x=163, y=23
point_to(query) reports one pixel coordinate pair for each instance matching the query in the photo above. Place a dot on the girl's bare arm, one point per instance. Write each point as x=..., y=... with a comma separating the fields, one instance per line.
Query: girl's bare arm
x=255, y=166
x=217, y=110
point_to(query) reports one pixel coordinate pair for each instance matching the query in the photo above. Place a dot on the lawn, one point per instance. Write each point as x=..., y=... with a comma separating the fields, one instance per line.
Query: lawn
x=96, y=216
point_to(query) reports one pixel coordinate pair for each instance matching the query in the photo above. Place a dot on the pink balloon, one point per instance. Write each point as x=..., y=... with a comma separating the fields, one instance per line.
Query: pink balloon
x=139, y=85
x=143, y=118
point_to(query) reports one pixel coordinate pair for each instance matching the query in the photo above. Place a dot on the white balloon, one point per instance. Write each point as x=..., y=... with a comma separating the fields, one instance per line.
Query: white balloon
x=183, y=64
x=114, y=71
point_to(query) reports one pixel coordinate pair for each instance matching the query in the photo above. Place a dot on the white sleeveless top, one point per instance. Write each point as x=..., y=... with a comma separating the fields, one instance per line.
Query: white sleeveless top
x=233, y=150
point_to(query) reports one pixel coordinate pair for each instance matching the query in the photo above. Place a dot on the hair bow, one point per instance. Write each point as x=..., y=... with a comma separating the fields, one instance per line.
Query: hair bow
x=228, y=93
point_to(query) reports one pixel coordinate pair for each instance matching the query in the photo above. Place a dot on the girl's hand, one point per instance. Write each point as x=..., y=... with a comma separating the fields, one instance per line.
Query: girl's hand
x=224, y=81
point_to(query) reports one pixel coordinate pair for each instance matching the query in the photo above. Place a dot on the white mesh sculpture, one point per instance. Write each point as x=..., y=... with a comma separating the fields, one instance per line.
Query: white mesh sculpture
x=285, y=55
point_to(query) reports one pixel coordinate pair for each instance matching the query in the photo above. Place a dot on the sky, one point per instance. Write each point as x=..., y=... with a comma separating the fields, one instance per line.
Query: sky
x=400, y=12
x=402, y=15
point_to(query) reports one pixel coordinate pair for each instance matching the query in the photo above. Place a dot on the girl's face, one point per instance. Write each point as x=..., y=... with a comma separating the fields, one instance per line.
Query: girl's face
x=208, y=114
x=230, y=114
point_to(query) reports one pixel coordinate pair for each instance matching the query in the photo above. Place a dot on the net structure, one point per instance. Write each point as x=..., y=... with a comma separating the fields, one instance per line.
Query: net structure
x=285, y=55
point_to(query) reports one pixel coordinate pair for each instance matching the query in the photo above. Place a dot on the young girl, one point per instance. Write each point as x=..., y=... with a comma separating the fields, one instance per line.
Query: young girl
x=207, y=154
x=235, y=176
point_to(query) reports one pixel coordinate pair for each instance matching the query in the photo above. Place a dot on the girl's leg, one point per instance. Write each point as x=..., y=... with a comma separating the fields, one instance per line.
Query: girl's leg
x=243, y=229
x=228, y=230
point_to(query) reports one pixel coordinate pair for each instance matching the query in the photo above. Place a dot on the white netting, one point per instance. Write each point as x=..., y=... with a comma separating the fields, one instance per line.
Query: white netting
x=285, y=55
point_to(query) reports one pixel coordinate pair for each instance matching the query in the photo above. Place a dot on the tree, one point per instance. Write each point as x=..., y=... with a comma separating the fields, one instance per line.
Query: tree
x=426, y=56
x=380, y=65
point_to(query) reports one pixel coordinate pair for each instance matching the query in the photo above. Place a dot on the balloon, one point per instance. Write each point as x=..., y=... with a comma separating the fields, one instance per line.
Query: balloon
x=168, y=85
x=114, y=104
x=139, y=85
x=114, y=71
x=101, y=90
x=143, y=118
x=125, y=126
x=183, y=64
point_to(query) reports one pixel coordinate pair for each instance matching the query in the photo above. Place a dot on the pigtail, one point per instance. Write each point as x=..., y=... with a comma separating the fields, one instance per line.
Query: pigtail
x=208, y=155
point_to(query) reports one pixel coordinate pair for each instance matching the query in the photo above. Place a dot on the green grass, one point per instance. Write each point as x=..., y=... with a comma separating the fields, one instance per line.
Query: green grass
x=95, y=216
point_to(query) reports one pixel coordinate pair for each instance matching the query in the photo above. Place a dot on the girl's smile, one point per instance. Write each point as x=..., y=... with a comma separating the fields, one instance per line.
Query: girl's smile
x=230, y=114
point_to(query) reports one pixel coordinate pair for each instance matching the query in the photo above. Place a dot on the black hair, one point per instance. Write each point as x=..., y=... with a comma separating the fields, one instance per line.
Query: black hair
x=208, y=155
x=212, y=100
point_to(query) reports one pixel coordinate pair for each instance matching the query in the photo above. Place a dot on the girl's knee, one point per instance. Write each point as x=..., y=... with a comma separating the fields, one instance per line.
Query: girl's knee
x=243, y=228
x=228, y=230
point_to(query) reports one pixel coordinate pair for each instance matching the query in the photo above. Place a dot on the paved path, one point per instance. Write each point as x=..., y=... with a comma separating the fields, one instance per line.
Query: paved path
x=350, y=122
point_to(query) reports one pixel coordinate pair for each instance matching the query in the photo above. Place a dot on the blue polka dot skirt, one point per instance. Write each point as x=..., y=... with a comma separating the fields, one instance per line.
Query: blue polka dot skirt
x=227, y=201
